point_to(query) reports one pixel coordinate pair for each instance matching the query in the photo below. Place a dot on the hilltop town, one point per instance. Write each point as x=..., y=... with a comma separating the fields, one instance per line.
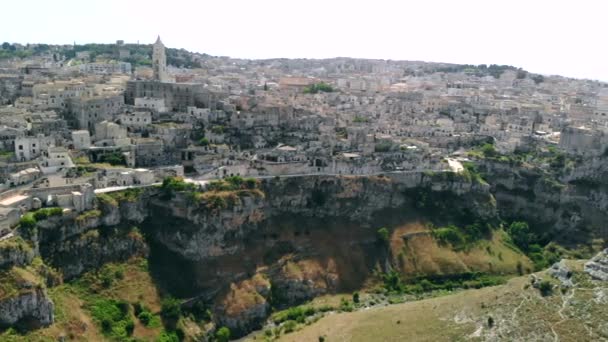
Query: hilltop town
x=104, y=116
x=253, y=186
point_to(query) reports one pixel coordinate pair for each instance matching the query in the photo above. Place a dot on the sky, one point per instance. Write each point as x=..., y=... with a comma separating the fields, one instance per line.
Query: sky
x=568, y=38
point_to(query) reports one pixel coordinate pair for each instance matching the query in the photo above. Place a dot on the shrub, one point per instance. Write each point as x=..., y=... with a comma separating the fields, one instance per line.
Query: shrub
x=345, y=305
x=488, y=150
x=392, y=282
x=89, y=214
x=42, y=214
x=296, y=313
x=168, y=337
x=290, y=326
x=545, y=288
x=145, y=317
x=171, y=308
x=222, y=334
x=27, y=221
x=129, y=327
x=520, y=234
x=356, y=298
x=450, y=234
x=175, y=184
x=318, y=87
x=114, y=159
x=115, y=321
x=383, y=235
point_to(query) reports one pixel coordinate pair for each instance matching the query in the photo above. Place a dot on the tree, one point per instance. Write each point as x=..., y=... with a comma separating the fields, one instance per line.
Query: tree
x=520, y=234
x=171, y=308
x=545, y=288
x=538, y=79
x=488, y=150
x=383, y=235
x=356, y=298
x=265, y=86
x=222, y=334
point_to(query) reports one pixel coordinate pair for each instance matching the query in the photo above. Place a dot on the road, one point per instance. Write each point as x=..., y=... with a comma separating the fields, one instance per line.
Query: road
x=455, y=166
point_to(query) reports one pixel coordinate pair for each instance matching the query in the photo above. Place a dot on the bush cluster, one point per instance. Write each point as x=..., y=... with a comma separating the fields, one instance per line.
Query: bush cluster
x=393, y=283
x=318, y=88
x=114, y=318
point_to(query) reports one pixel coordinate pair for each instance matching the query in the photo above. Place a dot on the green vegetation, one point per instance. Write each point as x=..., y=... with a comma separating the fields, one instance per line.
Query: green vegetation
x=44, y=213
x=127, y=195
x=171, y=185
x=296, y=313
x=114, y=159
x=222, y=334
x=545, y=287
x=218, y=129
x=356, y=298
x=393, y=284
x=360, y=119
x=106, y=199
x=318, y=88
x=15, y=243
x=461, y=238
x=471, y=172
x=383, y=235
x=171, y=308
x=480, y=70
x=114, y=318
x=27, y=224
x=87, y=215
x=383, y=146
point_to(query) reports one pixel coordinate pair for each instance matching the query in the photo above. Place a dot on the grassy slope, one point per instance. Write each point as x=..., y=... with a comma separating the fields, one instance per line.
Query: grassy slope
x=420, y=254
x=73, y=320
x=518, y=310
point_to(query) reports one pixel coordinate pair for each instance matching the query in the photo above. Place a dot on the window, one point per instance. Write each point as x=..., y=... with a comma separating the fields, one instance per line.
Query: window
x=21, y=147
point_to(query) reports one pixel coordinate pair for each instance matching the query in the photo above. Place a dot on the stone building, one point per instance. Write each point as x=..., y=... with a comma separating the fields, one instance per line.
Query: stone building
x=85, y=112
x=159, y=62
x=28, y=148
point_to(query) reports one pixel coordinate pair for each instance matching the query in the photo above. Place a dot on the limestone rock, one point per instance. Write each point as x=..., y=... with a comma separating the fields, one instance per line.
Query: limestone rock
x=597, y=267
x=560, y=271
x=32, y=307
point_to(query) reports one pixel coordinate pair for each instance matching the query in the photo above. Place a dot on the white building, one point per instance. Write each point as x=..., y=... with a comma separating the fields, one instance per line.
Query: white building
x=81, y=139
x=28, y=148
x=155, y=104
x=135, y=120
x=57, y=159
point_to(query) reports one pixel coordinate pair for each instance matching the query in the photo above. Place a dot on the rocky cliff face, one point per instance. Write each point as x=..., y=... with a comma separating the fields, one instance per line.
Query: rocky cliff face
x=77, y=243
x=15, y=252
x=307, y=236
x=30, y=308
x=597, y=267
x=570, y=208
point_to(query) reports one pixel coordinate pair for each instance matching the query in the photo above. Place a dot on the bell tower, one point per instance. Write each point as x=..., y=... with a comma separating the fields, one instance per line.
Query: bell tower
x=159, y=61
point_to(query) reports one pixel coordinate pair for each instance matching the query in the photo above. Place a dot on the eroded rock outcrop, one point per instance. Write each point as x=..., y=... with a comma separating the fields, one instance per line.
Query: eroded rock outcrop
x=15, y=252
x=597, y=267
x=23, y=300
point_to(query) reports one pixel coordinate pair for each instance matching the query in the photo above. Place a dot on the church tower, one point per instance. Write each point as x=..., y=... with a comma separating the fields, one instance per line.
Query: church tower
x=159, y=62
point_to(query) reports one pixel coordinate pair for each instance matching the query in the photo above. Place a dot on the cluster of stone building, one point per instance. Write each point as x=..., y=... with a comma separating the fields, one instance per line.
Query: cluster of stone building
x=63, y=120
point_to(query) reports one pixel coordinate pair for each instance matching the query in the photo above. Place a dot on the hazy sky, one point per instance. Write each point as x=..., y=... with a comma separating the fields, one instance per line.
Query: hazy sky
x=569, y=38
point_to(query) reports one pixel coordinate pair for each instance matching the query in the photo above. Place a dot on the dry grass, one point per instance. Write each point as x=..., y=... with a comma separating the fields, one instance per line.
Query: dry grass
x=418, y=253
x=518, y=311
x=73, y=321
